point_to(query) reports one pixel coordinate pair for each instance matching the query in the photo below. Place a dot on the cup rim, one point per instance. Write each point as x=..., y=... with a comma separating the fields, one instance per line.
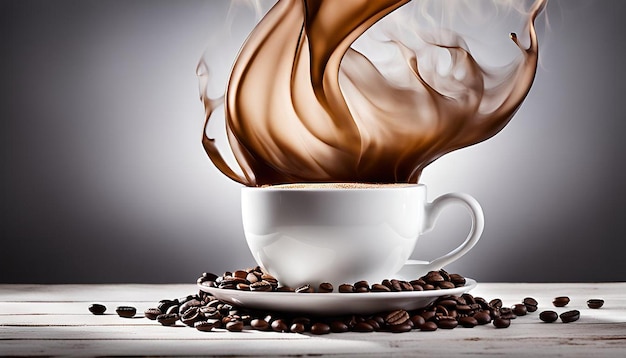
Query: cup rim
x=334, y=186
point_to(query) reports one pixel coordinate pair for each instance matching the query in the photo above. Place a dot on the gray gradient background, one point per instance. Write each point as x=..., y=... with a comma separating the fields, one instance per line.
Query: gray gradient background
x=104, y=178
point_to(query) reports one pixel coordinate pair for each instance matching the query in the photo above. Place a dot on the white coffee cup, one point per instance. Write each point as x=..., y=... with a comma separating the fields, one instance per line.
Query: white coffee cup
x=344, y=233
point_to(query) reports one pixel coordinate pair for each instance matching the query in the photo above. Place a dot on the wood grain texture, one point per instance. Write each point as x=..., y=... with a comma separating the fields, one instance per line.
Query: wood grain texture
x=53, y=320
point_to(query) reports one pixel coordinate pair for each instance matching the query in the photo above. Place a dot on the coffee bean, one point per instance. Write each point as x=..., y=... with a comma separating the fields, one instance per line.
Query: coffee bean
x=362, y=283
x=446, y=285
x=400, y=328
x=338, y=327
x=595, y=303
x=501, y=322
x=447, y=323
x=284, y=289
x=165, y=305
x=279, y=325
x=270, y=279
x=260, y=324
x=561, y=301
x=240, y=274
x=428, y=326
x=457, y=280
x=204, y=326
x=469, y=299
x=320, y=328
x=189, y=304
x=428, y=315
x=417, y=320
x=530, y=303
x=167, y=319
x=569, y=316
x=433, y=277
x=297, y=327
x=468, y=321
x=243, y=287
x=126, y=311
x=482, y=302
x=152, y=313
x=495, y=303
x=405, y=286
x=377, y=287
x=482, y=317
x=252, y=278
x=520, y=309
x=548, y=316
x=190, y=316
x=234, y=326
x=305, y=289
x=396, y=286
x=262, y=286
x=361, y=289
x=447, y=303
x=363, y=327
x=346, y=288
x=325, y=287
x=396, y=317
x=507, y=313
x=97, y=308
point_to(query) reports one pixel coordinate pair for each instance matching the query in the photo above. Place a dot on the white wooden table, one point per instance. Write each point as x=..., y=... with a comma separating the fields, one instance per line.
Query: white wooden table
x=51, y=320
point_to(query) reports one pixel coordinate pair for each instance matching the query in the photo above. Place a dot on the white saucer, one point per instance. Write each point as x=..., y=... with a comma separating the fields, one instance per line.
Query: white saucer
x=334, y=303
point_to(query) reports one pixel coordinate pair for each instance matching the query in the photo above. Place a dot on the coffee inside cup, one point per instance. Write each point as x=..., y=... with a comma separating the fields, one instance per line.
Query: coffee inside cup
x=338, y=186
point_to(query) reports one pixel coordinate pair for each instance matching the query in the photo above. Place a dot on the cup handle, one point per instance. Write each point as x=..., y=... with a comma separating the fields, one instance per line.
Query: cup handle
x=432, y=211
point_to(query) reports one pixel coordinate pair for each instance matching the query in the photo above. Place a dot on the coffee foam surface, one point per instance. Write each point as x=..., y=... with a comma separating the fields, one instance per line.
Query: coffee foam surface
x=337, y=186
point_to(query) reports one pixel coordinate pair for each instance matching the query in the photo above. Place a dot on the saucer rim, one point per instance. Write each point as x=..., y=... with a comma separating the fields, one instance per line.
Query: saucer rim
x=327, y=303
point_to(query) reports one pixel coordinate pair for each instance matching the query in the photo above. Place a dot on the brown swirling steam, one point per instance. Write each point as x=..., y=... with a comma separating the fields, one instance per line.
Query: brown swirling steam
x=302, y=105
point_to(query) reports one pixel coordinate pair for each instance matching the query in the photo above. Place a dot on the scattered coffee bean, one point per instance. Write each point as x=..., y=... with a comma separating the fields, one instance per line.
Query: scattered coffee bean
x=377, y=287
x=338, y=327
x=261, y=286
x=325, y=287
x=595, y=303
x=297, y=327
x=305, y=289
x=152, y=313
x=234, y=326
x=569, y=316
x=396, y=317
x=190, y=316
x=561, y=301
x=204, y=326
x=260, y=324
x=401, y=328
x=428, y=326
x=447, y=322
x=280, y=325
x=346, y=288
x=417, y=320
x=320, y=328
x=468, y=322
x=363, y=327
x=501, y=322
x=520, y=309
x=167, y=319
x=530, y=303
x=495, y=303
x=482, y=317
x=126, y=311
x=548, y=316
x=97, y=308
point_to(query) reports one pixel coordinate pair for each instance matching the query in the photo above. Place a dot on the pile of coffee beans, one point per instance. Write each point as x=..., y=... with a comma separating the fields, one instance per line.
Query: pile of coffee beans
x=255, y=279
x=205, y=313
